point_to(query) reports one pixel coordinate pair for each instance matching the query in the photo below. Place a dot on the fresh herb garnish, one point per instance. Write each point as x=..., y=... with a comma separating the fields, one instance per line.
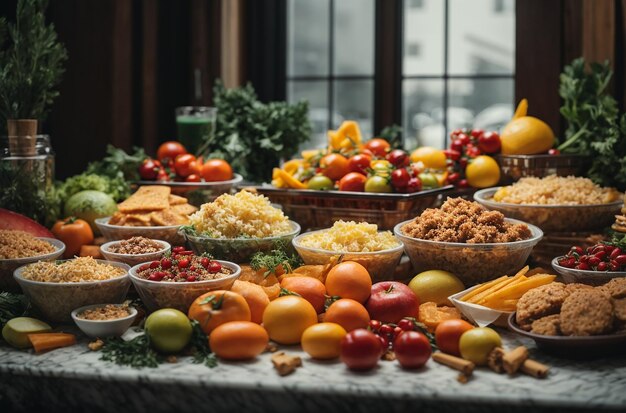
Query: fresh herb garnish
x=135, y=353
x=13, y=305
x=275, y=260
x=202, y=353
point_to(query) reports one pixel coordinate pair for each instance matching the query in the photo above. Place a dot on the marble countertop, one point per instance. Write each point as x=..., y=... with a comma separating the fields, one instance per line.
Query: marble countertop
x=592, y=384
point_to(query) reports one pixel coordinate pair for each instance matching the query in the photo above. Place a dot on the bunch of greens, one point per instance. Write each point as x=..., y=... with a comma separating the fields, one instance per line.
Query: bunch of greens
x=275, y=260
x=595, y=128
x=254, y=136
x=393, y=135
x=13, y=305
x=31, y=63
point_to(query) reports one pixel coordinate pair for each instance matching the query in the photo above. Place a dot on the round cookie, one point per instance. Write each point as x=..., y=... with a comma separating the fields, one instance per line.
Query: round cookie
x=547, y=326
x=540, y=302
x=586, y=313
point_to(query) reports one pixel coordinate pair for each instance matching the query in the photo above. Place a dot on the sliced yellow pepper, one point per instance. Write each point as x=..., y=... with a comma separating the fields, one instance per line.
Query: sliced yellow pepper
x=292, y=166
x=290, y=180
x=522, y=109
x=347, y=137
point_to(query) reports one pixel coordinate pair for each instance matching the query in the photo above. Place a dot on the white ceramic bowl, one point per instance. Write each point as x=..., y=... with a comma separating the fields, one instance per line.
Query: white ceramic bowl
x=103, y=328
x=134, y=259
x=7, y=283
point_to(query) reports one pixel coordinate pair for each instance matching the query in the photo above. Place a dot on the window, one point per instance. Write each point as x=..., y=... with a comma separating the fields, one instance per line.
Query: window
x=330, y=62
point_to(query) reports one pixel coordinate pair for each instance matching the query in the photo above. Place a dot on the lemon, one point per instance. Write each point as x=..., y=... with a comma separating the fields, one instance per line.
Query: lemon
x=435, y=286
x=431, y=157
x=482, y=172
x=526, y=135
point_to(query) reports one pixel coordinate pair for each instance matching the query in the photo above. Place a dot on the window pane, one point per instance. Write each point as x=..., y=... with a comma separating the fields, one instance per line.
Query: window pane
x=307, y=38
x=482, y=37
x=424, y=25
x=480, y=103
x=422, y=113
x=316, y=93
x=354, y=25
x=354, y=100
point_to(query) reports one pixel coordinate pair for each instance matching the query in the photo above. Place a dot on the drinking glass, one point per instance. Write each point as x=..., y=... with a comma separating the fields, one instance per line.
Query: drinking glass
x=196, y=127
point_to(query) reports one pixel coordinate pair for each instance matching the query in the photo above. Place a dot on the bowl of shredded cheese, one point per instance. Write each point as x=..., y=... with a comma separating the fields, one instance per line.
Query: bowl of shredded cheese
x=56, y=288
x=378, y=251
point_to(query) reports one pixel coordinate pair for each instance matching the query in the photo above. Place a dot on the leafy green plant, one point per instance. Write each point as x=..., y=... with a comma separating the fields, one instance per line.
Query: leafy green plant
x=31, y=63
x=595, y=128
x=254, y=136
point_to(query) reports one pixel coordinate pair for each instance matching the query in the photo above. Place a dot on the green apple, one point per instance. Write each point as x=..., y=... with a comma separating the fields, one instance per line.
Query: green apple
x=16, y=331
x=435, y=286
x=169, y=330
x=477, y=343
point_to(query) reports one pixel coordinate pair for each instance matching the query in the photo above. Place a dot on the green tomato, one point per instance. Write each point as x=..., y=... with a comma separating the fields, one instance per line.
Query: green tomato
x=429, y=180
x=378, y=184
x=320, y=182
x=169, y=330
x=477, y=343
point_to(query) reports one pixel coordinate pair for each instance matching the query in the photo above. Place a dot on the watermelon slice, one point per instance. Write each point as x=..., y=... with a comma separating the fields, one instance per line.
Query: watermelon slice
x=14, y=221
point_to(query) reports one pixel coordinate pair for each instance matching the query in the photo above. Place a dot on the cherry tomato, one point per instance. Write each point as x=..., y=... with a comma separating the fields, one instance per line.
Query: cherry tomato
x=472, y=151
x=149, y=169
x=216, y=170
x=334, y=166
x=361, y=349
x=354, y=182
x=448, y=333
x=412, y=349
x=185, y=165
x=400, y=178
x=465, y=140
x=454, y=177
x=452, y=154
x=163, y=176
x=378, y=184
x=398, y=158
x=414, y=185
x=193, y=178
x=489, y=142
x=476, y=133
x=456, y=133
x=170, y=150
x=457, y=145
x=320, y=183
x=554, y=151
x=379, y=147
x=359, y=163
x=463, y=183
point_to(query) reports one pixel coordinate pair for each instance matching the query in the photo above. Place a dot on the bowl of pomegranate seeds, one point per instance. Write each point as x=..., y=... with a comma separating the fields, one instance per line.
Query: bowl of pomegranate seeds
x=177, y=279
x=594, y=265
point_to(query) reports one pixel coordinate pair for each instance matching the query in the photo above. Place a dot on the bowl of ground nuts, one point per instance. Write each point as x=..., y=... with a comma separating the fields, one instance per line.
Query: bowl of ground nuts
x=135, y=250
x=104, y=320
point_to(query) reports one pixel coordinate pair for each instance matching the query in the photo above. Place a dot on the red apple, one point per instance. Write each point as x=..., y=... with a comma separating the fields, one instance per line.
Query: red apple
x=391, y=301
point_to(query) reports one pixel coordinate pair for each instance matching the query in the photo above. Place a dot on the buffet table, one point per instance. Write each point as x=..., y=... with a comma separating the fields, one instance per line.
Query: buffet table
x=75, y=379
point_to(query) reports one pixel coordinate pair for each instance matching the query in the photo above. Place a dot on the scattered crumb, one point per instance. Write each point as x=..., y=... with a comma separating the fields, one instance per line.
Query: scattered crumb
x=285, y=364
x=171, y=359
x=95, y=345
x=389, y=356
x=271, y=348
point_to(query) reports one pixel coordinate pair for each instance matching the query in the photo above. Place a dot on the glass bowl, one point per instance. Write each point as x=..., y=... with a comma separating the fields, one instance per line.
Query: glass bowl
x=179, y=295
x=103, y=328
x=134, y=259
x=116, y=232
x=56, y=301
x=380, y=264
x=240, y=250
x=554, y=218
x=589, y=277
x=7, y=267
x=472, y=263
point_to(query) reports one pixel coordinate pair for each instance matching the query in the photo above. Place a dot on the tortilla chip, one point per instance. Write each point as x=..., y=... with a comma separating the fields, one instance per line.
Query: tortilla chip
x=184, y=209
x=117, y=219
x=168, y=217
x=145, y=218
x=147, y=198
x=176, y=200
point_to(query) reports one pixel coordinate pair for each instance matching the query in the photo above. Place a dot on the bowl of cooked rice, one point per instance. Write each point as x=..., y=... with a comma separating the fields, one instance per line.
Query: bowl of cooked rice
x=554, y=203
x=235, y=227
x=58, y=287
x=19, y=248
x=378, y=251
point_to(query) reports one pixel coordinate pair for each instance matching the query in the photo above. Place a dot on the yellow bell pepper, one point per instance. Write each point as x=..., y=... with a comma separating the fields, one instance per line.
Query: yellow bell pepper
x=346, y=138
x=289, y=180
x=292, y=166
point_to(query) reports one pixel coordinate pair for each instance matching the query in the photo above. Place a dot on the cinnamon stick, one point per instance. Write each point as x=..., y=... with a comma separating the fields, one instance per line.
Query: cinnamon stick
x=466, y=367
x=494, y=360
x=534, y=368
x=514, y=359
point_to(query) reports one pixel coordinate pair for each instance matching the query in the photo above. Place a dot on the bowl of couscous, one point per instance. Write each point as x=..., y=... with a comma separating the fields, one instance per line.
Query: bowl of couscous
x=378, y=251
x=234, y=227
x=56, y=288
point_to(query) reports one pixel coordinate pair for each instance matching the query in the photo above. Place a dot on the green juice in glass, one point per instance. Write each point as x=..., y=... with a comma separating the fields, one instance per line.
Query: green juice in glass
x=195, y=132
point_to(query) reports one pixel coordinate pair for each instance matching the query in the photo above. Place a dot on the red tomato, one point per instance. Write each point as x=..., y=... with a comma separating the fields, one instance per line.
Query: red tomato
x=412, y=349
x=464, y=139
x=414, y=185
x=472, y=151
x=163, y=176
x=476, y=133
x=149, y=169
x=361, y=349
x=457, y=145
x=554, y=151
x=379, y=147
x=334, y=166
x=217, y=170
x=185, y=165
x=193, y=178
x=359, y=163
x=400, y=178
x=452, y=154
x=354, y=182
x=398, y=158
x=170, y=150
x=489, y=142
x=448, y=333
x=454, y=177
x=456, y=133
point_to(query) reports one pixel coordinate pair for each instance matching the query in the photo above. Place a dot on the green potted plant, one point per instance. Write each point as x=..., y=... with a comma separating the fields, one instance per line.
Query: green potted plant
x=31, y=65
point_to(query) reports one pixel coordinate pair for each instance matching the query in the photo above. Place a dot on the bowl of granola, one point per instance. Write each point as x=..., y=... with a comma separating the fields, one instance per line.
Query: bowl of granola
x=104, y=320
x=135, y=250
x=378, y=251
x=176, y=281
x=555, y=204
x=465, y=239
x=58, y=287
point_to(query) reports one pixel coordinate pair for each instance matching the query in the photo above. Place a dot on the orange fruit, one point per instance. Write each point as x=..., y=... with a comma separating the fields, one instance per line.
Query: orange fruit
x=349, y=279
x=448, y=333
x=334, y=166
x=216, y=170
x=255, y=296
x=238, y=340
x=218, y=307
x=348, y=313
x=286, y=318
x=482, y=172
x=311, y=289
x=323, y=340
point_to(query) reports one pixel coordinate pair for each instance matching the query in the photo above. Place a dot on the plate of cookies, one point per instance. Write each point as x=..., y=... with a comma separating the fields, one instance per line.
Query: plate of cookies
x=573, y=318
x=152, y=212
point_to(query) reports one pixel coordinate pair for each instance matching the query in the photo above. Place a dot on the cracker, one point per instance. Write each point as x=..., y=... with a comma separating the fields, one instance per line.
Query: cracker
x=184, y=209
x=147, y=198
x=176, y=200
x=619, y=228
x=168, y=217
x=117, y=219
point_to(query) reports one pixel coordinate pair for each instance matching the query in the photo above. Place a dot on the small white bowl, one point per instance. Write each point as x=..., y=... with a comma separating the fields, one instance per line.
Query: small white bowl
x=134, y=259
x=104, y=328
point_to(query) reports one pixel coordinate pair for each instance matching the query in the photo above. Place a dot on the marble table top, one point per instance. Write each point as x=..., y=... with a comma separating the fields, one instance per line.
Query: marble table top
x=592, y=384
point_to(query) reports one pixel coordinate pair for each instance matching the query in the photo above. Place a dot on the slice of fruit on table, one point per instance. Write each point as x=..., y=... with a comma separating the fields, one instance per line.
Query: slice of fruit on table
x=16, y=331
